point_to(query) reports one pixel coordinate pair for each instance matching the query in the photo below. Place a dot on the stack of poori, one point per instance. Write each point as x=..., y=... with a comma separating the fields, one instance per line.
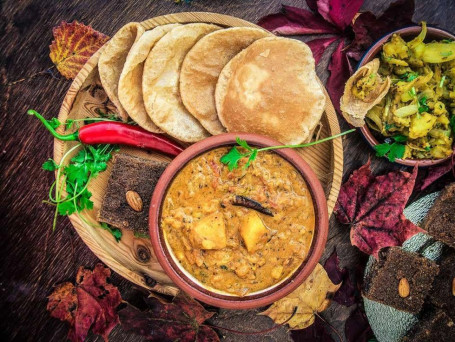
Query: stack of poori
x=197, y=79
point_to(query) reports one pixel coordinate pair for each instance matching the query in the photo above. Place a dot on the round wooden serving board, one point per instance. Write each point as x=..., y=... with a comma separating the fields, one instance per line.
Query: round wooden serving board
x=133, y=257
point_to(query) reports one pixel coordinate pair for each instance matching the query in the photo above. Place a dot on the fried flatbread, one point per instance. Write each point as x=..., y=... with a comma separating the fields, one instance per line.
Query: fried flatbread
x=271, y=88
x=130, y=83
x=202, y=66
x=112, y=60
x=160, y=83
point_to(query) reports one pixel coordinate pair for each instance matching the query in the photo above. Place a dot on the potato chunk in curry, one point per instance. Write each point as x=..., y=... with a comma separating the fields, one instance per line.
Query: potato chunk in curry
x=209, y=233
x=252, y=231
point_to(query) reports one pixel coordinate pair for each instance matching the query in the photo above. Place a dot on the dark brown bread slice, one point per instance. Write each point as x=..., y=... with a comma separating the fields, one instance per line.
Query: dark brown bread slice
x=441, y=294
x=435, y=326
x=135, y=174
x=440, y=221
x=393, y=265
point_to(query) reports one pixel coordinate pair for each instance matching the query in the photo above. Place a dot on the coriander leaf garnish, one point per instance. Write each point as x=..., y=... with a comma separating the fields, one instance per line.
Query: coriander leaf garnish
x=116, y=233
x=409, y=76
x=392, y=150
x=232, y=158
x=423, y=107
x=50, y=165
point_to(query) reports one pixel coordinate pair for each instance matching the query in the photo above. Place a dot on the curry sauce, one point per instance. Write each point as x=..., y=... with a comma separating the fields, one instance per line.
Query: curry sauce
x=233, y=248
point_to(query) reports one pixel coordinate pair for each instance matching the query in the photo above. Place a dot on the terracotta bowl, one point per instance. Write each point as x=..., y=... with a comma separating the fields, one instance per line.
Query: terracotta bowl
x=407, y=33
x=217, y=298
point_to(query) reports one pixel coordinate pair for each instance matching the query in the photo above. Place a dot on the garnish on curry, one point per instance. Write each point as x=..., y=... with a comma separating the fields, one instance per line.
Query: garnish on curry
x=233, y=248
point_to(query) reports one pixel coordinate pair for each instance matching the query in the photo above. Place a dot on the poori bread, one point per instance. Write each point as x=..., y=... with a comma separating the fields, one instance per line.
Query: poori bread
x=130, y=83
x=112, y=59
x=271, y=88
x=202, y=66
x=160, y=82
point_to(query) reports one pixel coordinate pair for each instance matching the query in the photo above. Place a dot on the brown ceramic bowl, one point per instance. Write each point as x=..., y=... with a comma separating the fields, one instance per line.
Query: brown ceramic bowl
x=218, y=298
x=407, y=33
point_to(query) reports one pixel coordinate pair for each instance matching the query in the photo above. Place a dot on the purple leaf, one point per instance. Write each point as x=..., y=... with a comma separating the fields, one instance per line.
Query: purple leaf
x=340, y=71
x=315, y=332
x=367, y=28
x=318, y=46
x=339, y=12
x=313, y=5
x=436, y=172
x=295, y=21
x=346, y=293
x=357, y=328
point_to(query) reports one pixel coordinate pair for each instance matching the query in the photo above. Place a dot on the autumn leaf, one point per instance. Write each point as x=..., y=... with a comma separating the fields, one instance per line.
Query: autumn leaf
x=373, y=207
x=357, y=328
x=180, y=320
x=308, y=299
x=346, y=294
x=91, y=303
x=341, y=20
x=316, y=332
x=74, y=43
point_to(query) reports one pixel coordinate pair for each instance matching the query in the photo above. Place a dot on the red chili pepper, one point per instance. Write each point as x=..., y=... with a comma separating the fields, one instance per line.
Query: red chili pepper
x=112, y=132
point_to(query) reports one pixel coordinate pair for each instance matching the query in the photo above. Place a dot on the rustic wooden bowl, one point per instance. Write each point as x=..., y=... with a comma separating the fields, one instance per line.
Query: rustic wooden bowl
x=406, y=32
x=189, y=284
x=133, y=257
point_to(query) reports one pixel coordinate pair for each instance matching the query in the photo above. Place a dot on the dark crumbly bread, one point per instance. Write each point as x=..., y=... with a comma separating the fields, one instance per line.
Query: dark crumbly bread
x=440, y=220
x=441, y=294
x=435, y=326
x=130, y=173
x=394, y=264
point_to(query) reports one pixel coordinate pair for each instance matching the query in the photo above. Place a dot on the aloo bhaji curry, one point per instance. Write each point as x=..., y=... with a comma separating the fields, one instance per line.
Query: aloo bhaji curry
x=239, y=231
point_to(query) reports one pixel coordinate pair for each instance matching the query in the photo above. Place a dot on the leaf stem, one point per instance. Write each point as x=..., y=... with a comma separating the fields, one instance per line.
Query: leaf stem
x=307, y=144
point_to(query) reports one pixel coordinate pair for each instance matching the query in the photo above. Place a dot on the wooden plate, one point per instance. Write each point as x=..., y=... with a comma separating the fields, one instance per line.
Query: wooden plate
x=133, y=257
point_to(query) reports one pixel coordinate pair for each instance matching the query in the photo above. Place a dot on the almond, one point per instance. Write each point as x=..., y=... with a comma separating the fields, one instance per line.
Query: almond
x=134, y=200
x=403, y=288
x=453, y=287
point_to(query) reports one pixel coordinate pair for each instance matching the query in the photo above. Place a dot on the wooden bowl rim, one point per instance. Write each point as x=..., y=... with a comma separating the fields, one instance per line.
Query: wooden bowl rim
x=275, y=292
x=370, y=54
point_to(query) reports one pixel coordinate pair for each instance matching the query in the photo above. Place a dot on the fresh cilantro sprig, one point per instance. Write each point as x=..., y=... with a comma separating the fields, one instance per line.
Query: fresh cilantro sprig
x=74, y=178
x=423, y=107
x=392, y=150
x=232, y=158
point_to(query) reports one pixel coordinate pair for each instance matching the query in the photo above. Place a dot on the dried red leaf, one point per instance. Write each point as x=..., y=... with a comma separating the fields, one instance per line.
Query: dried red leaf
x=436, y=172
x=74, y=43
x=315, y=332
x=295, y=21
x=339, y=12
x=357, y=328
x=180, y=320
x=346, y=294
x=318, y=46
x=373, y=207
x=340, y=71
x=367, y=28
x=312, y=4
x=89, y=304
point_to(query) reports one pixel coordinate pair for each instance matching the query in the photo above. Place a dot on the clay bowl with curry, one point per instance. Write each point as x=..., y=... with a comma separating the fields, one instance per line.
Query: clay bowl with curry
x=239, y=237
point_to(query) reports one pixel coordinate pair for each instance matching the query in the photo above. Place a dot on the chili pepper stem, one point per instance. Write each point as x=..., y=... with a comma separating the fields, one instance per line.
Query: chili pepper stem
x=70, y=137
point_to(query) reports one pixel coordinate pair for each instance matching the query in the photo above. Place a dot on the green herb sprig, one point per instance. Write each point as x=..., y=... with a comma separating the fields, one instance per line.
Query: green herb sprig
x=423, y=107
x=392, y=150
x=232, y=158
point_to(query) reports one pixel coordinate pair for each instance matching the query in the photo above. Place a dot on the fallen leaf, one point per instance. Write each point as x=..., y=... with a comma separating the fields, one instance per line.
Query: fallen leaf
x=294, y=21
x=357, y=328
x=373, y=207
x=91, y=303
x=340, y=70
x=180, y=320
x=346, y=294
x=339, y=12
x=368, y=28
x=318, y=46
x=74, y=43
x=309, y=298
x=436, y=172
x=316, y=332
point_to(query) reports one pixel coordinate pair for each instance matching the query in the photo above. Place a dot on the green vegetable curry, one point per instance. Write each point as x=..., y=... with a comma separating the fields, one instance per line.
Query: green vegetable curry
x=420, y=105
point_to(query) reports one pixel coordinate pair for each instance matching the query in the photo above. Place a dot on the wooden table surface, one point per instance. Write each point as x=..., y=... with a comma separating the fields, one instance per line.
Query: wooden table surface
x=33, y=257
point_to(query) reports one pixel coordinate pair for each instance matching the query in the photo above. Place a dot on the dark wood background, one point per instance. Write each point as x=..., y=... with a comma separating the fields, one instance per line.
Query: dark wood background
x=33, y=258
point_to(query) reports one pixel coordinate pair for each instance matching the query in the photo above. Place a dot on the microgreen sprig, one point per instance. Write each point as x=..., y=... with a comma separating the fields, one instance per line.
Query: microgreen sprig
x=232, y=158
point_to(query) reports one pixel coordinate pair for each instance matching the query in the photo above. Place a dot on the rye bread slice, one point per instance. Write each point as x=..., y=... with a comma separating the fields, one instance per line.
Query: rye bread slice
x=440, y=220
x=135, y=174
